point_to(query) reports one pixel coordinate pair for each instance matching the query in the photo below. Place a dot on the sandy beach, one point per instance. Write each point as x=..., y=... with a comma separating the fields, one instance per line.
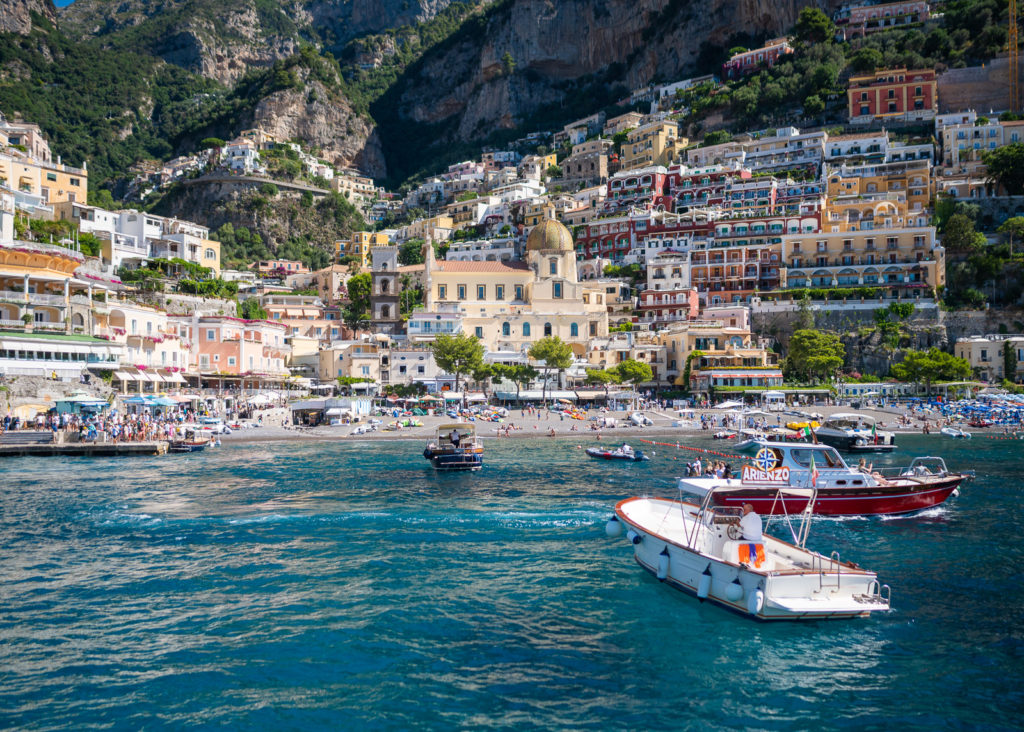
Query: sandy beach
x=275, y=428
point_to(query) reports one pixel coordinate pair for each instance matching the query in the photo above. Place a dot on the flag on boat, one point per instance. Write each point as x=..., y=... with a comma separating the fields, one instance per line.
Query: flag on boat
x=874, y=433
x=814, y=473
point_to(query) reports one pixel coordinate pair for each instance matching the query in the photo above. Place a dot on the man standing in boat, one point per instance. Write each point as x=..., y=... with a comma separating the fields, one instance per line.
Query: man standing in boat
x=751, y=525
x=454, y=437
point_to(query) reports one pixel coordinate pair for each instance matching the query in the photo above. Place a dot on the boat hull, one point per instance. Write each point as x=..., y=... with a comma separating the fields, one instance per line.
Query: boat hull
x=826, y=593
x=461, y=459
x=609, y=455
x=873, y=500
x=188, y=446
x=846, y=443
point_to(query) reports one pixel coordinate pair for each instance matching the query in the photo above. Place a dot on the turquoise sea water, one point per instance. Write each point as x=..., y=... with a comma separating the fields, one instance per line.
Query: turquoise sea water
x=311, y=585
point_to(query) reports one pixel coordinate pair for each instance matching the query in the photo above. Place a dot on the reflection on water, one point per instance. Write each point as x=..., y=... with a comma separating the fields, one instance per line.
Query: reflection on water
x=306, y=583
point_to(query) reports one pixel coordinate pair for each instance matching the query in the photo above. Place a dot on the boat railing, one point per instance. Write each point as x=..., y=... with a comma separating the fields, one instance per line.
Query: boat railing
x=919, y=467
x=835, y=566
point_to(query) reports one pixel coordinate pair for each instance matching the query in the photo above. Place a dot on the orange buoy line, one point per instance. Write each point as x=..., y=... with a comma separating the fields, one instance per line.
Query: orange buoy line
x=695, y=449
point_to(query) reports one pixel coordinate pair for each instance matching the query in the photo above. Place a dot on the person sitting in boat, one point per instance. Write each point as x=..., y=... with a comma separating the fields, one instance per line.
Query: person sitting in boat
x=454, y=437
x=750, y=524
x=626, y=449
x=864, y=467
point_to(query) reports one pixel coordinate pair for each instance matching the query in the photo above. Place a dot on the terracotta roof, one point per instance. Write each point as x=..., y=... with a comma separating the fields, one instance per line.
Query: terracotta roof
x=411, y=268
x=446, y=266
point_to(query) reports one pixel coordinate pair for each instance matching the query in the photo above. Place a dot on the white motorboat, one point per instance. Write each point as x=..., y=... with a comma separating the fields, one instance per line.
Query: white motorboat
x=700, y=550
x=852, y=432
x=956, y=433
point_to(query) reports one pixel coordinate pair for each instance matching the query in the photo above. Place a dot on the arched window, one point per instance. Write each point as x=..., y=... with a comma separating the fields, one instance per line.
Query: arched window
x=553, y=264
x=574, y=330
x=210, y=254
x=526, y=330
x=547, y=329
x=384, y=284
x=385, y=311
x=506, y=329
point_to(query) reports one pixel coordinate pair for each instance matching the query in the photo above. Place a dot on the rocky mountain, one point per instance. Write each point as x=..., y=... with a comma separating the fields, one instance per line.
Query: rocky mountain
x=222, y=39
x=16, y=15
x=528, y=59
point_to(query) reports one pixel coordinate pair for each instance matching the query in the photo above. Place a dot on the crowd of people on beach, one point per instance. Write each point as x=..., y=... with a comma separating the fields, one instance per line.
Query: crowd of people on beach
x=141, y=427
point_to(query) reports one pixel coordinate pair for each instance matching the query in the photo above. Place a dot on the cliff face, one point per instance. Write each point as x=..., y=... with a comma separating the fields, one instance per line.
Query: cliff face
x=325, y=122
x=469, y=88
x=16, y=15
x=222, y=39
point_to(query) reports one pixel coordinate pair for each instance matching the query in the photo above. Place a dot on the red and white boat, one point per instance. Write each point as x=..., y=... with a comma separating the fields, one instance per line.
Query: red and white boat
x=841, y=489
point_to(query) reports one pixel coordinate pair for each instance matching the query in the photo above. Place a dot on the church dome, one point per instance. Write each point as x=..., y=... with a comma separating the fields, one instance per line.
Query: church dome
x=549, y=235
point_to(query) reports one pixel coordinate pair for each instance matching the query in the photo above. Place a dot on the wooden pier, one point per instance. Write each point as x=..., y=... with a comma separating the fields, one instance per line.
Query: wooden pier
x=42, y=444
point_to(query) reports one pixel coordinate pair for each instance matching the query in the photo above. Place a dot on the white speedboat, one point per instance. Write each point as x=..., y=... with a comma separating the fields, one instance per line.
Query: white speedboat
x=700, y=550
x=956, y=433
x=852, y=432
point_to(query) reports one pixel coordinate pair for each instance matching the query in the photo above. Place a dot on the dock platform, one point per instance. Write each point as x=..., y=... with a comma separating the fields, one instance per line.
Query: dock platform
x=83, y=449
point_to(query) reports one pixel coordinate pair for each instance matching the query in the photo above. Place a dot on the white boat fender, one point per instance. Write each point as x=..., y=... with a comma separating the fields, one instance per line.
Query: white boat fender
x=633, y=537
x=734, y=591
x=755, y=601
x=663, y=560
x=704, y=586
x=860, y=442
x=614, y=527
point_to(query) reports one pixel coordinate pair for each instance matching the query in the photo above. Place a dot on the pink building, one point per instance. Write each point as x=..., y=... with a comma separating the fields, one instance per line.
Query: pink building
x=253, y=351
x=283, y=266
x=747, y=62
x=658, y=308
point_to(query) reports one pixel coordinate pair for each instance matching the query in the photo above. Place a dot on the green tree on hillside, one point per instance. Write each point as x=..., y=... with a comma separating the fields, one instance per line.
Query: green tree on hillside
x=814, y=355
x=1013, y=227
x=959, y=236
x=358, y=288
x=250, y=309
x=1005, y=167
x=813, y=26
x=1009, y=361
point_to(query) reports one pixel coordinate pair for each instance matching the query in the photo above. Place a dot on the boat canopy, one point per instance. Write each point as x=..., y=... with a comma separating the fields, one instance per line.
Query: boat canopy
x=849, y=420
x=464, y=428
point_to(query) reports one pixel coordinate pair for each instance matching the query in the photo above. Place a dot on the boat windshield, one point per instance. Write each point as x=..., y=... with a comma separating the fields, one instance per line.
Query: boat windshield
x=823, y=457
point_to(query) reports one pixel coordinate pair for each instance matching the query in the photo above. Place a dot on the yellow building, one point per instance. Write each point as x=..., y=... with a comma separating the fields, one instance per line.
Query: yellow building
x=358, y=245
x=652, y=144
x=537, y=211
x=50, y=182
x=911, y=179
x=877, y=210
x=729, y=355
x=907, y=261
x=436, y=228
x=510, y=306
x=356, y=359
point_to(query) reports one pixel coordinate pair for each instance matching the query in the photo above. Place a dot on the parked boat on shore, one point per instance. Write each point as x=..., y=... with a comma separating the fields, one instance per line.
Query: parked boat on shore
x=705, y=550
x=840, y=489
x=455, y=447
